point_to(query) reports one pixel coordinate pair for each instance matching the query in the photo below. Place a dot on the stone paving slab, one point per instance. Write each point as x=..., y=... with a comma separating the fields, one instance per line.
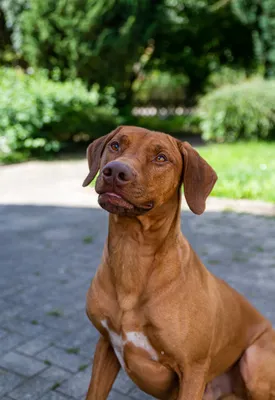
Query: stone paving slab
x=55, y=396
x=10, y=341
x=77, y=385
x=32, y=389
x=67, y=360
x=48, y=256
x=21, y=364
x=8, y=381
x=57, y=374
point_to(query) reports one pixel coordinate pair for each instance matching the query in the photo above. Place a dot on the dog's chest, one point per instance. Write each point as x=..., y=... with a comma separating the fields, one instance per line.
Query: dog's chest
x=125, y=329
x=134, y=345
x=129, y=340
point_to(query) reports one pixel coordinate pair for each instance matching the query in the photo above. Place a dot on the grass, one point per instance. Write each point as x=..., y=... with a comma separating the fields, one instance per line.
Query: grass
x=87, y=239
x=82, y=367
x=55, y=313
x=214, y=262
x=55, y=385
x=246, y=170
x=259, y=249
x=240, y=258
x=73, y=350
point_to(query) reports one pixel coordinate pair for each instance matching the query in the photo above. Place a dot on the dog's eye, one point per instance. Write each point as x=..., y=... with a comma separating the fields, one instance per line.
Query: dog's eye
x=161, y=158
x=115, y=146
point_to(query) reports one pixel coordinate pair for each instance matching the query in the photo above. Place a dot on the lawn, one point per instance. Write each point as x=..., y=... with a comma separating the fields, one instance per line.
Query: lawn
x=246, y=170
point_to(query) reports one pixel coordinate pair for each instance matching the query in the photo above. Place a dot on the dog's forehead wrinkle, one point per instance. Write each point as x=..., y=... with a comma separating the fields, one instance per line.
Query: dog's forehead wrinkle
x=149, y=142
x=124, y=138
x=152, y=148
x=134, y=132
x=130, y=141
x=175, y=144
x=159, y=147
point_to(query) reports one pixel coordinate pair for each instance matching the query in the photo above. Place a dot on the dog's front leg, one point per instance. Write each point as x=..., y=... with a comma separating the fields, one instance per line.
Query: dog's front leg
x=192, y=384
x=104, y=372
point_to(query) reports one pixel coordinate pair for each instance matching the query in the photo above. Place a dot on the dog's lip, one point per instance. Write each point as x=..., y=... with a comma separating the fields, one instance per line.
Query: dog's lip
x=113, y=194
x=148, y=206
x=114, y=197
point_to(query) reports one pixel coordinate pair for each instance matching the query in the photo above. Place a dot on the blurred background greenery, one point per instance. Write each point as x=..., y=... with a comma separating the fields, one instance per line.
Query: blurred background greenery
x=204, y=70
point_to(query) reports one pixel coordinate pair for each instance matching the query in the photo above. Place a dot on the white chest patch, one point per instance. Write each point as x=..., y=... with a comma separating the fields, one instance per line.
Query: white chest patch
x=141, y=341
x=117, y=343
x=137, y=338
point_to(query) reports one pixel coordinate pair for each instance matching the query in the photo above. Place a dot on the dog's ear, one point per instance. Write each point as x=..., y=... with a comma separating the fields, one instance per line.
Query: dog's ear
x=94, y=153
x=198, y=178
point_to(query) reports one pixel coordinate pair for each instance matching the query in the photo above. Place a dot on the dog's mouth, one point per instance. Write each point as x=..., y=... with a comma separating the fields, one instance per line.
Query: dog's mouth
x=116, y=204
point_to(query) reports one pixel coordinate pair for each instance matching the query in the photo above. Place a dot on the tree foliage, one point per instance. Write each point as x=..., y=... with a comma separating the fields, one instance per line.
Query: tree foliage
x=199, y=36
x=5, y=41
x=259, y=16
x=115, y=42
x=99, y=41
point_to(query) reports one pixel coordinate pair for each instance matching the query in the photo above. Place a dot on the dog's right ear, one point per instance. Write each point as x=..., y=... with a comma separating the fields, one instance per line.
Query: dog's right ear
x=94, y=153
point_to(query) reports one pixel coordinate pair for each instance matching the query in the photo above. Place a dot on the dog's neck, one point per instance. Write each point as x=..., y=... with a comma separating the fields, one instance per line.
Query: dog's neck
x=133, y=244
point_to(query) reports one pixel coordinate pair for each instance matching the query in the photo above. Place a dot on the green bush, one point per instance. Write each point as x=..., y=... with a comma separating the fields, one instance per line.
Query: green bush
x=244, y=111
x=174, y=125
x=40, y=116
x=224, y=75
x=160, y=88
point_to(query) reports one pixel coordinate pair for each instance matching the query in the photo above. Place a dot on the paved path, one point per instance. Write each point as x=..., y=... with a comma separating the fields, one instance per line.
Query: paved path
x=51, y=240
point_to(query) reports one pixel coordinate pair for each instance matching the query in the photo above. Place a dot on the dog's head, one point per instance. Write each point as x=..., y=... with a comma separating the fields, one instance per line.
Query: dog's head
x=141, y=170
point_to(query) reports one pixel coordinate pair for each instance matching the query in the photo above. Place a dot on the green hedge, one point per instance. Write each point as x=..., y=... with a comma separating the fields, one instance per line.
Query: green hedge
x=160, y=88
x=40, y=116
x=244, y=111
x=174, y=124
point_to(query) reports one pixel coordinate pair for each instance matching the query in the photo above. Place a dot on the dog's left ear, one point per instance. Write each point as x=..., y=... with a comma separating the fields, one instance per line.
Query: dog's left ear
x=198, y=178
x=94, y=153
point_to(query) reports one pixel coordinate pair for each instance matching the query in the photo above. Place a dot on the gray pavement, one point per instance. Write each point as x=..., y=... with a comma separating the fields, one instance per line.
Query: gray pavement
x=51, y=240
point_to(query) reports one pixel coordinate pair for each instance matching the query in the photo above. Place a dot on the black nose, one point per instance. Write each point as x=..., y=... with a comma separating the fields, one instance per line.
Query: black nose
x=117, y=172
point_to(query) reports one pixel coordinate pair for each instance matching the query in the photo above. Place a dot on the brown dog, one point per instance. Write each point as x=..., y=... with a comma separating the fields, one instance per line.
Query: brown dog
x=178, y=331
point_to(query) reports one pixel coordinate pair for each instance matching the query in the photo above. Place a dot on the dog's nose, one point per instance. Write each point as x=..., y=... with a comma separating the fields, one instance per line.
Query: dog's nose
x=117, y=172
